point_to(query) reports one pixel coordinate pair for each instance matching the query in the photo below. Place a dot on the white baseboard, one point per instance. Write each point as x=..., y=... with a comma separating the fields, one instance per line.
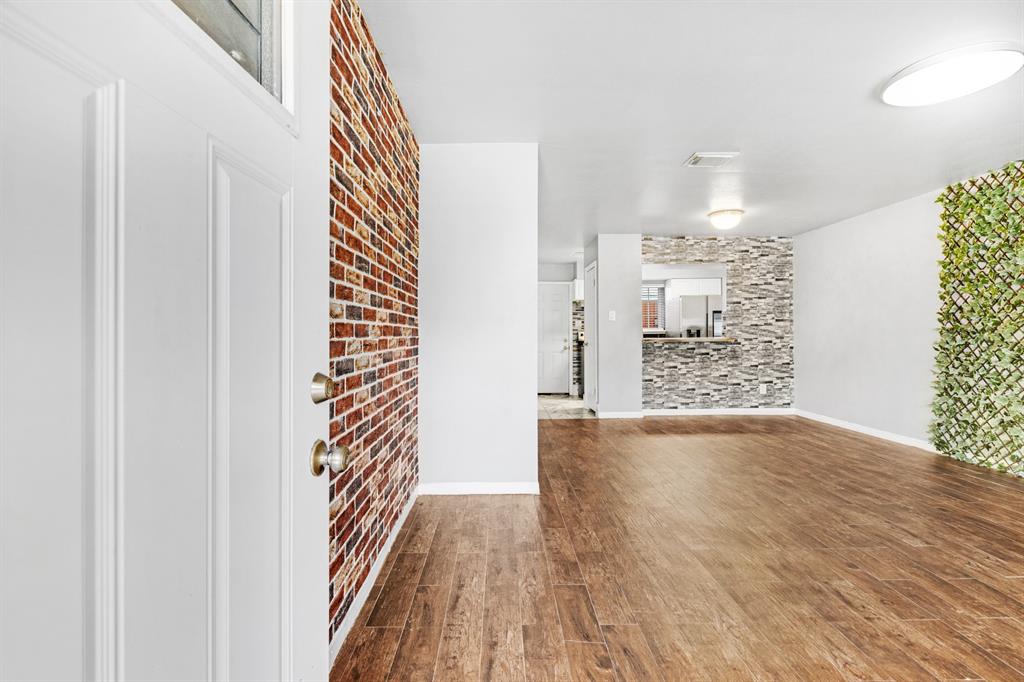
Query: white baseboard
x=364, y=592
x=698, y=411
x=618, y=415
x=481, y=488
x=779, y=411
x=867, y=430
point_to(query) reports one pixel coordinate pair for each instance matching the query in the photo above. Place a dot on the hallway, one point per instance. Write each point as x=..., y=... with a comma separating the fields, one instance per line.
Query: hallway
x=718, y=548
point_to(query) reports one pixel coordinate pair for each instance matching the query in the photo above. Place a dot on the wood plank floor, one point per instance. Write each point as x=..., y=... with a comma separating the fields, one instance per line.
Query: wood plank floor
x=707, y=548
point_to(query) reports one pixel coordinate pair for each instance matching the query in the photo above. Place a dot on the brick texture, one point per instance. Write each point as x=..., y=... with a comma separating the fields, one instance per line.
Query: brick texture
x=374, y=249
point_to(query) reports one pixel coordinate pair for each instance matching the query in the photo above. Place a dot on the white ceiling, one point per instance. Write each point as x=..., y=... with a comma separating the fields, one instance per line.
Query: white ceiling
x=620, y=93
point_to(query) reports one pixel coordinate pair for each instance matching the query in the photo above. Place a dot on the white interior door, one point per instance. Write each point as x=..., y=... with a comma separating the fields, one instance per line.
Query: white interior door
x=590, y=322
x=553, y=332
x=164, y=304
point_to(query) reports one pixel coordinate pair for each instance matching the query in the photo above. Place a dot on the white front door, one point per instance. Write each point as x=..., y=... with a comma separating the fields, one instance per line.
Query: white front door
x=553, y=331
x=163, y=281
x=590, y=322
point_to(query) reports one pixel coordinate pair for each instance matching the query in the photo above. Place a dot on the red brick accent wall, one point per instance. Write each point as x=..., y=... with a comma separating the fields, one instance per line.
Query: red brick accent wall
x=374, y=309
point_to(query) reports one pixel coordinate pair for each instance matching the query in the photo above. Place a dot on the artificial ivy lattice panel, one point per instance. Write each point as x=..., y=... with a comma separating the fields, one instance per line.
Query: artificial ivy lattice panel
x=979, y=380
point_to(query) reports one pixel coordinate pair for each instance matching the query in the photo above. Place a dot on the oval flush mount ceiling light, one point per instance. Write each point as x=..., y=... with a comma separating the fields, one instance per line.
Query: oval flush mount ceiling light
x=725, y=219
x=953, y=74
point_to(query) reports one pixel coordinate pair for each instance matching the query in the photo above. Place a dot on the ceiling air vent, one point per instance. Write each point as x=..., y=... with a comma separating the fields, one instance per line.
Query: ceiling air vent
x=710, y=159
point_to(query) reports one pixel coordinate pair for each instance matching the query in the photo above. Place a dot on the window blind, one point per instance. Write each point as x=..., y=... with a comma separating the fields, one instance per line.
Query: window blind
x=652, y=307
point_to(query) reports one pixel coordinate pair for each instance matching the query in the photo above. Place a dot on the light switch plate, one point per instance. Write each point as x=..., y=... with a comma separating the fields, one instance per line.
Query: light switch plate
x=611, y=315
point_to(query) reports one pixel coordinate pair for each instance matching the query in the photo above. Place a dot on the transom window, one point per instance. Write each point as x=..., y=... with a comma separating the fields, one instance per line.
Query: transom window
x=248, y=30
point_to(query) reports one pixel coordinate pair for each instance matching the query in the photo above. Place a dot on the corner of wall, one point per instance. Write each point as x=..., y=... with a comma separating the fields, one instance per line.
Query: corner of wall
x=619, y=341
x=478, y=295
x=362, y=596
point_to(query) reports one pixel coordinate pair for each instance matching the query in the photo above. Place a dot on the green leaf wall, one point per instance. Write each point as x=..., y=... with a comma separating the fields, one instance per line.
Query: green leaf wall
x=979, y=377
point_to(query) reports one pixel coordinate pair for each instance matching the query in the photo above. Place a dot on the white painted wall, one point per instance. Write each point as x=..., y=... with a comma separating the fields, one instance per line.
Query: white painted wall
x=478, y=318
x=865, y=304
x=556, y=272
x=619, y=341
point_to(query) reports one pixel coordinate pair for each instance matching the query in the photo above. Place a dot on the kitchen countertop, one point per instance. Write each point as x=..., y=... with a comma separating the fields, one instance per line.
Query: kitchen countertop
x=690, y=339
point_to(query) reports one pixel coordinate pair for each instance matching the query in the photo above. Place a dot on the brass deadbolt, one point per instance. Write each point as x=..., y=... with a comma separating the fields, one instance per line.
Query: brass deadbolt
x=322, y=388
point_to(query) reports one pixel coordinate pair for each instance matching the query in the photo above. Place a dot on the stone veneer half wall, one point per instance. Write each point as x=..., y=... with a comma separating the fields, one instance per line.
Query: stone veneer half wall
x=758, y=314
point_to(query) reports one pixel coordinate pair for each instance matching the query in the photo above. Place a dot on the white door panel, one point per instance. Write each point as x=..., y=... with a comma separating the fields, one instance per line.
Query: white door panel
x=44, y=337
x=166, y=406
x=553, y=301
x=156, y=337
x=248, y=471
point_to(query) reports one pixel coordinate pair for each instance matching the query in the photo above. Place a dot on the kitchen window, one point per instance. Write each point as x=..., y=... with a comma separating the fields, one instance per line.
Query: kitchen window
x=652, y=308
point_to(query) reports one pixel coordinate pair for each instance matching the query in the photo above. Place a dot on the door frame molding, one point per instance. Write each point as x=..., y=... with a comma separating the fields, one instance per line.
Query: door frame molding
x=590, y=295
x=103, y=357
x=568, y=334
x=103, y=524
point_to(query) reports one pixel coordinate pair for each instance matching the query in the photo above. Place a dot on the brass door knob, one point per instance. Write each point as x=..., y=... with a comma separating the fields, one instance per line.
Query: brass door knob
x=322, y=388
x=336, y=457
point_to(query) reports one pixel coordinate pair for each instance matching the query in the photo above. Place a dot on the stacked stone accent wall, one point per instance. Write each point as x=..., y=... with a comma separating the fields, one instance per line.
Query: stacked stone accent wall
x=759, y=314
x=374, y=252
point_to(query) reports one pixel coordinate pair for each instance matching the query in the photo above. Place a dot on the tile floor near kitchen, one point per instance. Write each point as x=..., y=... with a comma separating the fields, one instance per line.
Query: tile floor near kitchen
x=561, y=406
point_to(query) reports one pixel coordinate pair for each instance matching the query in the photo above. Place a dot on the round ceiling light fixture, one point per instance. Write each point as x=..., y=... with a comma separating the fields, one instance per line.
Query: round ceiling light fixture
x=953, y=74
x=725, y=219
